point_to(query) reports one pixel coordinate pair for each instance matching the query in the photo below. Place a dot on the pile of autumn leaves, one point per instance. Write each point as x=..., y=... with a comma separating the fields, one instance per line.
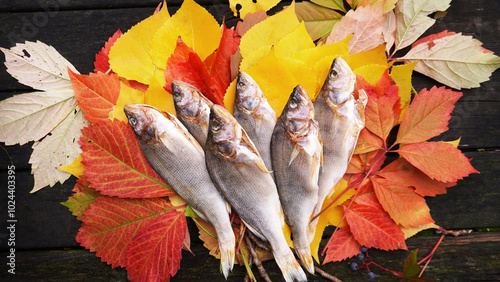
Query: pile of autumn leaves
x=131, y=216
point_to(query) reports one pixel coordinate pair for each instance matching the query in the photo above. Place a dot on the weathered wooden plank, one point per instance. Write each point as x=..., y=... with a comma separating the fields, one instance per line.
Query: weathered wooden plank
x=466, y=258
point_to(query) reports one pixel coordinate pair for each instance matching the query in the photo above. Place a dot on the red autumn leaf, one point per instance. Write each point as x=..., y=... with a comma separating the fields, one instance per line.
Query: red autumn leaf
x=115, y=164
x=154, y=254
x=383, y=107
x=404, y=206
x=185, y=64
x=96, y=93
x=101, y=63
x=406, y=174
x=431, y=38
x=428, y=115
x=110, y=224
x=440, y=161
x=371, y=226
x=220, y=69
x=362, y=163
x=341, y=246
x=368, y=142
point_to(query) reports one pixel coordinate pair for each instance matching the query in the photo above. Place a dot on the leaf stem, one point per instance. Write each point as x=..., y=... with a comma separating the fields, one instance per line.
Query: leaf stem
x=430, y=255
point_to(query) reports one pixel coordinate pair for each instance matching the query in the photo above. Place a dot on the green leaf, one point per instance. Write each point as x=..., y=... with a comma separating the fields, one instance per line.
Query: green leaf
x=319, y=20
x=411, y=267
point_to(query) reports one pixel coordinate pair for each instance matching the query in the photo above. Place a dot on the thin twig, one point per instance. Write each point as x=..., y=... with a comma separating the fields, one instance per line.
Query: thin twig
x=258, y=242
x=256, y=260
x=326, y=275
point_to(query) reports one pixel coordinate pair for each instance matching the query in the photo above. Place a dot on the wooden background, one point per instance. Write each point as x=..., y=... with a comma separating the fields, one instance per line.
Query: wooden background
x=45, y=246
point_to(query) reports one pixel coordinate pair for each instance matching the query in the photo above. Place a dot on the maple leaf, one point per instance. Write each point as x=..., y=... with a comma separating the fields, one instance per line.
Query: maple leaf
x=366, y=25
x=319, y=20
x=115, y=164
x=101, y=63
x=371, y=226
x=341, y=246
x=110, y=224
x=38, y=65
x=401, y=202
x=428, y=115
x=154, y=254
x=129, y=57
x=412, y=19
x=96, y=94
x=440, y=161
x=186, y=65
x=456, y=60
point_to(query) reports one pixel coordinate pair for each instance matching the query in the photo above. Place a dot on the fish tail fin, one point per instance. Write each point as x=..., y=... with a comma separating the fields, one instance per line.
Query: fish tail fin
x=306, y=258
x=227, y=254
x=290, y=267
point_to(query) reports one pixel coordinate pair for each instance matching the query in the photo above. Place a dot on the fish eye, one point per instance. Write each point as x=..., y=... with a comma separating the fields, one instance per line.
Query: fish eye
x=215, y=126
x=132, y=121
x=293, y=104
x=177, y=96
x=333, y=74
x=241, y=86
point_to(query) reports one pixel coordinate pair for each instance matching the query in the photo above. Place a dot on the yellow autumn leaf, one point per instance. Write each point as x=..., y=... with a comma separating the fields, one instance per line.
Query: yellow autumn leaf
x=410, y=232
x=195, y=25
x=129, y=57
x=313, y=55
x=275, y=81
x=251, y=6
x=374, y=56
x=127, y=95
x=455, y=143
x=269, y=32
x=371, y=73
x=75, y=168
x=229, y=96
x=401, y=75
x=157, y=96
x=294, y=42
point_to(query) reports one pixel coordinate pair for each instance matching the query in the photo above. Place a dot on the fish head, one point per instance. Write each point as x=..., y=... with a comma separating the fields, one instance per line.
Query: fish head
x=143, y=120
x=223, y=131
x=298, y=111
x=248, y=93
x=188, y=99
x=340, y=82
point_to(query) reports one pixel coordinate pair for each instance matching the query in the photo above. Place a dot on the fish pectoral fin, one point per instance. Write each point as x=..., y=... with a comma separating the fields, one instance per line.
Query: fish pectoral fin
x=295, y=153
x=260, y=164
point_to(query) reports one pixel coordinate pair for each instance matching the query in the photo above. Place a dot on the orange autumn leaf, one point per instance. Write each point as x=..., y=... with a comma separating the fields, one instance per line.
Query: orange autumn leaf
x=401, y=202
x=341, y=246
x=96, y=93
x=115, y=164
x=428, y=115
x=371, y=226
x=440, y=161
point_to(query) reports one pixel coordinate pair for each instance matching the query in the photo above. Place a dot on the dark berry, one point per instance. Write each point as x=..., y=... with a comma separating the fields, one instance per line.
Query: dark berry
x=360, y=256
x=363, y=249
x=370, y=275
x=354, y=266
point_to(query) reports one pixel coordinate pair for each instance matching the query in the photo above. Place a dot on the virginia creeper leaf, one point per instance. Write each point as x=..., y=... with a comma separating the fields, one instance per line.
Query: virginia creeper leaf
x=101, y=63
x=129, y=57
x=58, y=149
x=110, y=224
x=96, y=93
x=31, y=116
x=195, y=25
x=371, y=226
x=319, y=20
x=154, y=254
x=38, y=65
x=115, y=164
x=368, y=142
x=428, y=115
x=455, y=60
x=341, y=246
x=412, y=19
x=366, y=25
x=404, y=206
x=440, y=161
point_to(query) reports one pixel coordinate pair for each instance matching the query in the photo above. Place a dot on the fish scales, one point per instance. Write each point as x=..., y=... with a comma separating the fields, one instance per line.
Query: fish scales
x=239, y=172
x=341, y=118
x=296, y=154
x=180, y=161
